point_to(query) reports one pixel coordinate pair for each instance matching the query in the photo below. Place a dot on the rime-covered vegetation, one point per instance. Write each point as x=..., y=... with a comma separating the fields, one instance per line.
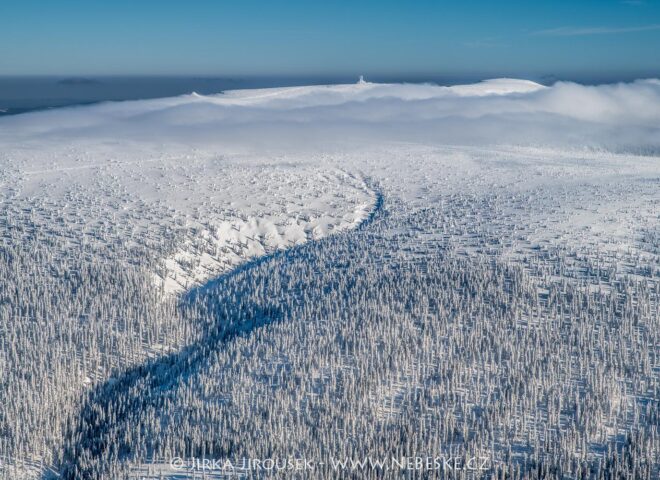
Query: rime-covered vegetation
x=67, y=319
x=501, y=301
x=385, y=341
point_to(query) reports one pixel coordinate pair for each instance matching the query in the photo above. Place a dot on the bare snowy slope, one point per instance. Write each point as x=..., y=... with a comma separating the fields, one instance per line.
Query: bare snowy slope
x=200, y=204
x=204, y=182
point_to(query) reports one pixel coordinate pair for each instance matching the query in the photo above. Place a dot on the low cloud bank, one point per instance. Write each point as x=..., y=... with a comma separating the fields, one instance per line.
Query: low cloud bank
x=621, y=117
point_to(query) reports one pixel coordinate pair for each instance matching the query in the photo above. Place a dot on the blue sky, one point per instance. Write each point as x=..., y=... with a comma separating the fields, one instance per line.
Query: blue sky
x=331, y=37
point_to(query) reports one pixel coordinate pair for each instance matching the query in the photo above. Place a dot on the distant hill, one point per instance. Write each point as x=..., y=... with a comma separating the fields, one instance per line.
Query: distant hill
x=78, y=81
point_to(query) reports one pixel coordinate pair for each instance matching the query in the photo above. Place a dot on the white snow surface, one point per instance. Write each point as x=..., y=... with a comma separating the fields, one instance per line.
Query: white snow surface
x=210, y=181
x=205, y=183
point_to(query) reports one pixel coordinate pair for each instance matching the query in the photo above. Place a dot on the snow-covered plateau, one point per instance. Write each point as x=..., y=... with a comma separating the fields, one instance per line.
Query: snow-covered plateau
x=325, y=272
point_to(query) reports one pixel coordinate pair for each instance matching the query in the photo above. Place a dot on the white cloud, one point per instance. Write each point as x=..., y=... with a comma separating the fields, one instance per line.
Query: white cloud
x=581, y=31
x=617, y=116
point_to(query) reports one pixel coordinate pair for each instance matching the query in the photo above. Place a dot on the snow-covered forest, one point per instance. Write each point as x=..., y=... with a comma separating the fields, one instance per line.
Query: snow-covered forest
x=334, y=272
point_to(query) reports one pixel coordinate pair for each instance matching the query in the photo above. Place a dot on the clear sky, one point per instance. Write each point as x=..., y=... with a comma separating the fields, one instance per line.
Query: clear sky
x=330, y=37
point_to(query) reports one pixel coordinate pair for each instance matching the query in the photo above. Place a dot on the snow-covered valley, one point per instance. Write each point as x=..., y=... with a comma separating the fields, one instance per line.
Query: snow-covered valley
x=333, y=271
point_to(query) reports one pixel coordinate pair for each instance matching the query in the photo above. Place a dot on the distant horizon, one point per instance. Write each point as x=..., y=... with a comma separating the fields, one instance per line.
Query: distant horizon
x=29, y=93
x=415, y=77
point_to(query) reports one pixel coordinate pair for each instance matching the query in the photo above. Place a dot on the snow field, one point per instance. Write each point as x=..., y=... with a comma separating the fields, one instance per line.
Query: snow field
x=503, y=300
